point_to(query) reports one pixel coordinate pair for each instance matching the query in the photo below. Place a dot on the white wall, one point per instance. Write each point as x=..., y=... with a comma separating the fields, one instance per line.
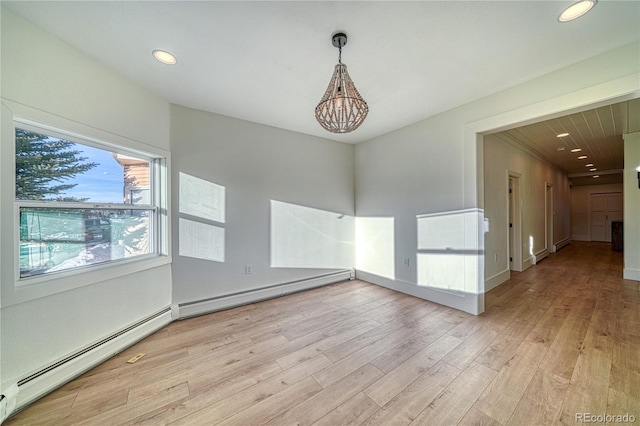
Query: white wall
x=580, y=208
x=502, y=157
x=411, y=172
x=256, y=164
x=45, y=80
x=631, y=206
x=435, y=165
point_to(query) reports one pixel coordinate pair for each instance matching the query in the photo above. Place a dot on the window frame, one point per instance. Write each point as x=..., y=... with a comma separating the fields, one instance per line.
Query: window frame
x=159, y=232
x=49, y=205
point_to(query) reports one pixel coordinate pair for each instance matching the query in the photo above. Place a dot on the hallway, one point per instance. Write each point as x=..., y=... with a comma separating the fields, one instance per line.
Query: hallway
x=586, y=319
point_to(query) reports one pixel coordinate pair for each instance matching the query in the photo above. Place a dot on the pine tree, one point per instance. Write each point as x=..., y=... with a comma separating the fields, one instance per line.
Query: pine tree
x=44, y=164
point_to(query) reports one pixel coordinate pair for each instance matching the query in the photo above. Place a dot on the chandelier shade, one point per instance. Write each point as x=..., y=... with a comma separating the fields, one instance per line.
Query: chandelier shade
x=342, y=109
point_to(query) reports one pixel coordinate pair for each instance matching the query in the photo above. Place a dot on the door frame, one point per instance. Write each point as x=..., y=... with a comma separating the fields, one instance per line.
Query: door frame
x=548, y=217
x=514, y=208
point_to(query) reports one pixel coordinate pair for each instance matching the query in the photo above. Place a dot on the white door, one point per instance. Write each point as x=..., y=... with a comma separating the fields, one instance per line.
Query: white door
x=605, y=208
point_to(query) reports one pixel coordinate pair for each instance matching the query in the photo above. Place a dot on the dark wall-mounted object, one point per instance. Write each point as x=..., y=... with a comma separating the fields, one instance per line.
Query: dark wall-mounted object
x=617, y=232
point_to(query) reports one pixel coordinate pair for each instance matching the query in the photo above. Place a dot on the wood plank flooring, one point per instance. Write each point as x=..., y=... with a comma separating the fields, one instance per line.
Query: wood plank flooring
x=561, y=338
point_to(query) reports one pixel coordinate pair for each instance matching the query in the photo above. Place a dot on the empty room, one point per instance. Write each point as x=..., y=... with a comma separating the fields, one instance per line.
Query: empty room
x=350, y=212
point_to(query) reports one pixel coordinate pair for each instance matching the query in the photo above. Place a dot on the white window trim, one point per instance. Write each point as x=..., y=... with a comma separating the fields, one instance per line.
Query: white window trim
x=31, y=288
x=35, y=279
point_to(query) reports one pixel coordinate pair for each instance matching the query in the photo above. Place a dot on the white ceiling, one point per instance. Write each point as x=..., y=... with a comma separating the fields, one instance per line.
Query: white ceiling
x=596, y=132
x=269, y=62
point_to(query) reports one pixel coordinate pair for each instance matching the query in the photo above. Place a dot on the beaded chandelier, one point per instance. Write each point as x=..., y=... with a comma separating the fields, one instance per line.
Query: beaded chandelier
x=342, y=109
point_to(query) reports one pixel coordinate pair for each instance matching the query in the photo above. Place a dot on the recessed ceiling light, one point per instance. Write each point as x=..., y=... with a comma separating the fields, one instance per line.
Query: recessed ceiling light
x=576, y=150
x=560, y=148
x=164, y=57
x=562, y=135
x=596, y=176
x=576, y=10
x=582, y=157
x=589, y=165
x=593, y=169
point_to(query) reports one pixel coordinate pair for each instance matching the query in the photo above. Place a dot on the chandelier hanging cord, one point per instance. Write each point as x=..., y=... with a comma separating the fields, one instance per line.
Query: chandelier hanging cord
x=339, y=40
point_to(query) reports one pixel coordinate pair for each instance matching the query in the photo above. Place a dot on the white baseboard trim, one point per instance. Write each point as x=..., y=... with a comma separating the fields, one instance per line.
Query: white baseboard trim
x=468, y=302
x=557, y=246
x=201, y=307
x=580, y=238
x=540, y=255
x=497, y=279
x=46, y=380
x=528, y=263
x=631, y=274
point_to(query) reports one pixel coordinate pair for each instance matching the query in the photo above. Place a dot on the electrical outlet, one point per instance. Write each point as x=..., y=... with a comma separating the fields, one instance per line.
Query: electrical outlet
x=405, y=262
x=248, y=269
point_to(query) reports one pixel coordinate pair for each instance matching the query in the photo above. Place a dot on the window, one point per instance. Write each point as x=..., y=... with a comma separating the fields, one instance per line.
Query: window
x=81, y=202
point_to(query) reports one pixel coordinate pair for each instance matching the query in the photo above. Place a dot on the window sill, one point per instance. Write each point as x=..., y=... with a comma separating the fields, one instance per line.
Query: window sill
x=31, y=288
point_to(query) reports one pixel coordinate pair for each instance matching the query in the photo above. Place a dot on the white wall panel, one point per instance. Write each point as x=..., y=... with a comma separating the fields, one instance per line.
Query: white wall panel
x=503, y=157
x=632, y=206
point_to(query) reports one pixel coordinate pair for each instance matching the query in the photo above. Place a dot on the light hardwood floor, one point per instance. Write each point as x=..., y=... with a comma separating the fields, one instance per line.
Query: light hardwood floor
x=561, y=338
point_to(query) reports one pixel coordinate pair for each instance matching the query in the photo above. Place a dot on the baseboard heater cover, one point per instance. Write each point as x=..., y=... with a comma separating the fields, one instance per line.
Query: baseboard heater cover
x=55, y=375
x=228, y=301
x=562, y=243
x=540, y=255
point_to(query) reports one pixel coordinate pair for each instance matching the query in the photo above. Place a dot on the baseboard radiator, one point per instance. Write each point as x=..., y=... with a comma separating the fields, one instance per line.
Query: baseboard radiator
x=206, y=306
x=562, y=243
x=540, y=255
x=38, y=384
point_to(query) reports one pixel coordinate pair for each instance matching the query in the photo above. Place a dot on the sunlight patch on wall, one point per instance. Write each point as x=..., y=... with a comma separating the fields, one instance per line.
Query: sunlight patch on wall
x=304, y=237
x=201, y=240
x=205, y=202
x=448, y=249
x=530, y=245
x=375, y=246
x=441, y=270
x=202, y=198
